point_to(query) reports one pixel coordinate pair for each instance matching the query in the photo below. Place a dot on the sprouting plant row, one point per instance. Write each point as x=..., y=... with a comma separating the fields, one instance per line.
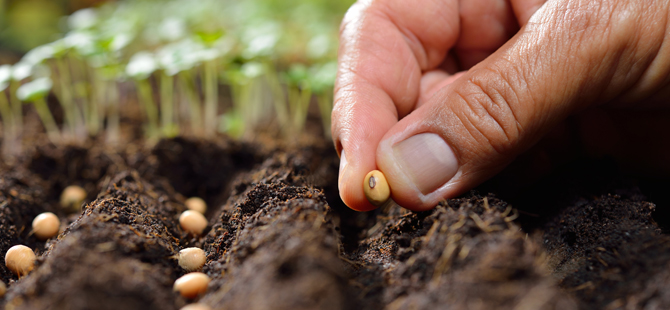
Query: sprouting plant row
x=172, y=57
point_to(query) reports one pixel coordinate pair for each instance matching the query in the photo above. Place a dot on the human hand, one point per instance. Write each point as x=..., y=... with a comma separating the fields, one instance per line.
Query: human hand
x=441, y=95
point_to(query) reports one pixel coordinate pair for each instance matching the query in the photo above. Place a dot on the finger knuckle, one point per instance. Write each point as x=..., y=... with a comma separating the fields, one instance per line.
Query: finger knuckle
x=487, y=110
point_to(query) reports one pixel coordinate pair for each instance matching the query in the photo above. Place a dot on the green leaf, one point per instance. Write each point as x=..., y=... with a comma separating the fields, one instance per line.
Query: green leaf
x=209, y=37
x=39, y=54
x=323, y=77
x=252, y=69
x=21, y=70
x=141, y=65
x=297, y=75
x=83, y=19
x=232, y=124
x=5, y=76
x=34, y=90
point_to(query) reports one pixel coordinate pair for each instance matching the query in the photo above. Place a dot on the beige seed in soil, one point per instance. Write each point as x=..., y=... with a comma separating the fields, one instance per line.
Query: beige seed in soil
x=46, y=225
x=20, y=259
x=196, y=306
x=192, y=259
x=3, y=288
x=196, y=204
x=193, y=222
x=191, y=284
x=376, y=188
x=72, y=198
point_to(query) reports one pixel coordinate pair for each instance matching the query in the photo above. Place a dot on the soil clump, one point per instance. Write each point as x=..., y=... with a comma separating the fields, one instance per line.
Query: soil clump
x=278, y=237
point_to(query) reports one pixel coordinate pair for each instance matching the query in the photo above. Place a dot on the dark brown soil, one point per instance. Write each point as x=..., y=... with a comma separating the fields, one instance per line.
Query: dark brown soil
x=279, y=238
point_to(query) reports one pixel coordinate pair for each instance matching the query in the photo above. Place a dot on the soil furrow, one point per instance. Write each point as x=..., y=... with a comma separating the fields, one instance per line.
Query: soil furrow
x=279, y=238
x=119, y=249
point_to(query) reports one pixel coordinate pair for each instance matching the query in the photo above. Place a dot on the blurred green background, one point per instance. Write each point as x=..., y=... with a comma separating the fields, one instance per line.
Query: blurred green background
x=232, y=65
x=25, y=24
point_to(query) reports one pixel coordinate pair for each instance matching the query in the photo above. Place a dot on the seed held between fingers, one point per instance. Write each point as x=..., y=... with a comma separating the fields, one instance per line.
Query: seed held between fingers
x=193, y=222
x=192, y=259
x=196, y=204
x=191, y=284
x=376, y=188
x=46, y=225
x=20, y=259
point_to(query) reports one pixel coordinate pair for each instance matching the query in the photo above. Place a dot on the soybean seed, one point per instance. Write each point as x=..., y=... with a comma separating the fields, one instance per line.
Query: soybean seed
x=191, y=284
x=46, y=225
x=376, y=188
x=193, y=222
x=72, y=198
x=196, y=306
x=192, y=259
x=196, y=204
x=20, y=259
x=3, y=288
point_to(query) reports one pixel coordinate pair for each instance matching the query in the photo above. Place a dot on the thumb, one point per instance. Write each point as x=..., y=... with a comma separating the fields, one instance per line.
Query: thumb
x=570, y=55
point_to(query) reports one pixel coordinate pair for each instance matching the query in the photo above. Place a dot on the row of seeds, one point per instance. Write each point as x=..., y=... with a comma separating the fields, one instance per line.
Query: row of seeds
x=20, y=259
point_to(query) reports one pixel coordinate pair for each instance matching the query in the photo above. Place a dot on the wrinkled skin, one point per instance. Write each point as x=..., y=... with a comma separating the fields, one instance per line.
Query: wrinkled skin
x=497, y=79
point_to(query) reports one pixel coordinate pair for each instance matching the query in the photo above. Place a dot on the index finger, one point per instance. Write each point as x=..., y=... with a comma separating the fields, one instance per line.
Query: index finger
x=384, y=47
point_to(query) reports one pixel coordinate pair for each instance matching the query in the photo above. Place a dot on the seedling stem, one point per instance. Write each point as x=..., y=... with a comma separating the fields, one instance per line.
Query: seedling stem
x=7, y=124
x=169, y=128
x=211, y=97
x=47, y=119
x=194, y=104
x=113, y=119
x=17, y=108
x=146, y=99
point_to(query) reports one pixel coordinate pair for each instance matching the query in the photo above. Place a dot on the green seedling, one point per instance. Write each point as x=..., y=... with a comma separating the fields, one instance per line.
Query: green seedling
x=73, y=115
x=56, y=51
x=83, y=42
x=140, y=68
x=82, y=46
x=35, y=92
x=83, y=19
x=260, y=39
x=20, y=72
x=249, y=101
x=299, y=95
x=106, y=104
x=189, y=90
x=6, y=111
x=174, y=59
x=172, y=29
x=278, y=96
x=253, y=44
x=169, y=127
x=110, y=70
x=211, y=87
x=322, y=81
x=209, y=57
x=232, y=122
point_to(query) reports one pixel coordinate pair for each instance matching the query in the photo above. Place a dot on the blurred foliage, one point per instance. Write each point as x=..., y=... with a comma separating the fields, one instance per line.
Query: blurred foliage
x=25, y=24
x=276, y=58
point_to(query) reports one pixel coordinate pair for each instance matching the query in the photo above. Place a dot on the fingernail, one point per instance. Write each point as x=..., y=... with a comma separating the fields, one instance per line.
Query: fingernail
x=343, y=165
x=427, y=160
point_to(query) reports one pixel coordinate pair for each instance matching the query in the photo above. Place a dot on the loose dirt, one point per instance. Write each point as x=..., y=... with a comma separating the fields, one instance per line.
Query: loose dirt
x=280, y=238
